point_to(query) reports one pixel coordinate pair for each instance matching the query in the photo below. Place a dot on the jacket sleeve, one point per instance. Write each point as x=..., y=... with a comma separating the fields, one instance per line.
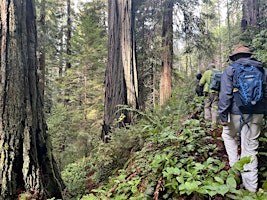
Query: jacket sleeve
x=265, y=92
x=204, y=78
x=226, y=94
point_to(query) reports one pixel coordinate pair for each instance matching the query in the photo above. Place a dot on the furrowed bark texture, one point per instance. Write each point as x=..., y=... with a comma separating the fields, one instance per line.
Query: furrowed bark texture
x=42, y=51
x=26, y=163
x=128, y=51
x=167, y=46
x=251, y=12
x=121, y=74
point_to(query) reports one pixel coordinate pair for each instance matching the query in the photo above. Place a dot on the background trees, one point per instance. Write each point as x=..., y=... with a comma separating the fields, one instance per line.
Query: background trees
x=74, y=126
x=201, y=35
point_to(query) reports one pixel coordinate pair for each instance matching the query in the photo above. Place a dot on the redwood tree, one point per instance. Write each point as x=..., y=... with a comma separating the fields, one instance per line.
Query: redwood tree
x=167, y=46
x=68, y=45
x=121, y=73
x=27, y=162
x=42, y=49
x=250, y=13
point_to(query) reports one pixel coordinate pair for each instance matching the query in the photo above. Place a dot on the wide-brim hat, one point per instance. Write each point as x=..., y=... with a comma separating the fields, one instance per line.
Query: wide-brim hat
x=240, y=49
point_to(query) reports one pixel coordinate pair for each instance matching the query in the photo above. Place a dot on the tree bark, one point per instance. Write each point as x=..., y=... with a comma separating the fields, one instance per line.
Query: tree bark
x=167, y=45
x=228, y=26
x=121, y=74
x=128, y=51
x=27, y=163
x=42, y=55
x=263, y=14
x=68, y=64
x=250, y=12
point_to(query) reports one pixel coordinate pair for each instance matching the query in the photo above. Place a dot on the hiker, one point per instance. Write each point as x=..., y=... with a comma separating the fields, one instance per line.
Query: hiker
x=211, y=96
x=199, y=89
x=246, y=125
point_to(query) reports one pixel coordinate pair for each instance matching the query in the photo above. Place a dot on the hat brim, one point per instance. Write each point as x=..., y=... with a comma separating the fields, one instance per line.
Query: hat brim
x=231, y=56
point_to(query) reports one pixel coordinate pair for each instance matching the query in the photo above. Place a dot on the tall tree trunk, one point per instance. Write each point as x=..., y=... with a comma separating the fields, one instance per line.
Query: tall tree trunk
x=190, y=64
x=263, y=13
x=250, y=13
x=167, y=45
x=27, y=162
x=153, y=84
x=42, y=49
x=186, y=64
x=220, y=53
x=141, y=69
x=68, y=46
x=68, y=51
x=61, y=62
x=128, y=52
x=121, y=75
x=228, y=26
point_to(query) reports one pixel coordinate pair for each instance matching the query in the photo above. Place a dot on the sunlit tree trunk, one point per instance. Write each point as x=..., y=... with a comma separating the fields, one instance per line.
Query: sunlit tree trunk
x=121, y=75
x=142, y=67
x=42, y=54
x=167, y=46
x=26, y=163
x=128, y=51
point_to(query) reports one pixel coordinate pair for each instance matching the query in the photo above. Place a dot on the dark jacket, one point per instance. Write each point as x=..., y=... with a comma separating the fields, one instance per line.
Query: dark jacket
x=227, y=102
x=199, y=90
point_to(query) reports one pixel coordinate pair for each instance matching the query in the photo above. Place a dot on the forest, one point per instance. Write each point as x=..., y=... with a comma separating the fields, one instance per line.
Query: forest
x=97, y=98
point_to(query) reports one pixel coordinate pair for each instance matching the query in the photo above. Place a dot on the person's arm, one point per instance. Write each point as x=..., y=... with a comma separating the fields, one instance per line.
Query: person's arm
x=265, y=92
x=226, y=95
x=203, y=79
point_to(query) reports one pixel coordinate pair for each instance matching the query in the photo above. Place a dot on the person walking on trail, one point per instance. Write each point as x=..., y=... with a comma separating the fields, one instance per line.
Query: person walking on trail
x=211, y=96
x=199, y=89
x=232, y=117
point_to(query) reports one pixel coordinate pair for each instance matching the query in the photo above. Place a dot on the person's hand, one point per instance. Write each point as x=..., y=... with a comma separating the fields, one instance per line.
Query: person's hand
x=224, y=123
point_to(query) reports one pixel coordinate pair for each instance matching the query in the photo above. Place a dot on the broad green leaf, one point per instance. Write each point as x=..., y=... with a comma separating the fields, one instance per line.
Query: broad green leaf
x=218, y=179
x=223, y=190
x=199, y=166
x=240, y=164
x=264, y=185
x=134, y=189
x=231, y=182
x=180, y=179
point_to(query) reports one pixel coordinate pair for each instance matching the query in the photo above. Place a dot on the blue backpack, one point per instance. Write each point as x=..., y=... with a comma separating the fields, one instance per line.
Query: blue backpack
x=247, y=86
x=247, y=90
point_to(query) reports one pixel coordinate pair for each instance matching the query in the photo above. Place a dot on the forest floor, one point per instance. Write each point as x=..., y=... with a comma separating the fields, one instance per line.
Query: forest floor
x=215, y=139
x=221, y=154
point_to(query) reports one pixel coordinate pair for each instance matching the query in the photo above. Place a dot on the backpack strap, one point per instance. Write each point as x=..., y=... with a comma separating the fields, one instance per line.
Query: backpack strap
x=234, y=65
x=264, y=86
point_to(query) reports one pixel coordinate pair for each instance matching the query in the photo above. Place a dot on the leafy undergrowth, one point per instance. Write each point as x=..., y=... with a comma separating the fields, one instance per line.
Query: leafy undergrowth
x=188, y=163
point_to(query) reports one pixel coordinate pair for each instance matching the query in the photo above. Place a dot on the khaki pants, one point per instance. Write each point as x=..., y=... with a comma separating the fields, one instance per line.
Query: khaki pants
x=211, y=107
x=249, y=146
